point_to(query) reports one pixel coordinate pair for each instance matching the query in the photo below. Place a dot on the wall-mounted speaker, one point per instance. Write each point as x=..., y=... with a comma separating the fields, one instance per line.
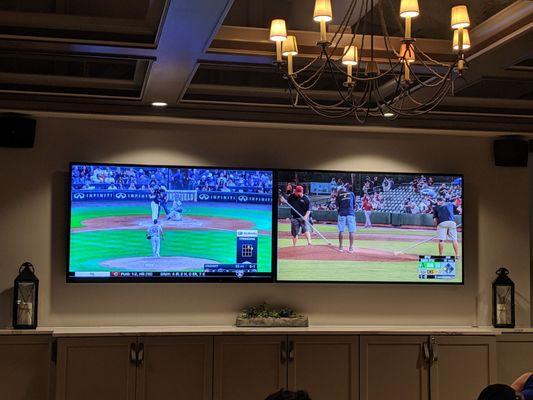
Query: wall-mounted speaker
x=511, y=152
x=17, y=132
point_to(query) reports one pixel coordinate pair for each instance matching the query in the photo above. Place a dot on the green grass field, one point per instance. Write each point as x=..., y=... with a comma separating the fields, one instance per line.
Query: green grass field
x=90, y=248
x=368, y=271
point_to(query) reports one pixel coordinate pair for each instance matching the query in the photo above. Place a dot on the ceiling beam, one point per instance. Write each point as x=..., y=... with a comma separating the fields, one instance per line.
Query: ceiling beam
x=187, y=32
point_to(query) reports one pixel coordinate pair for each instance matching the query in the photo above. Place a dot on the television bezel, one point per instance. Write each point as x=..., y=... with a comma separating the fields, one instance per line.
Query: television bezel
x=437, y=282
x=270, y=278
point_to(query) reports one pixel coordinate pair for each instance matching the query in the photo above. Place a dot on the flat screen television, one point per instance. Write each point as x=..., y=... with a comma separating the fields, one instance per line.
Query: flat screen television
x=396, y=227
x=165, y=223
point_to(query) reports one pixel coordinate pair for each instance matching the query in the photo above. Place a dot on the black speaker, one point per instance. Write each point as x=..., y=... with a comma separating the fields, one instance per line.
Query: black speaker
x=511, y=152
x=17, y=132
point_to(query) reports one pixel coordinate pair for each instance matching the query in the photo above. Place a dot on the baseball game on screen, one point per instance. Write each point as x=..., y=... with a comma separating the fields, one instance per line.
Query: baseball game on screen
x=139, y=222
x=369, y=227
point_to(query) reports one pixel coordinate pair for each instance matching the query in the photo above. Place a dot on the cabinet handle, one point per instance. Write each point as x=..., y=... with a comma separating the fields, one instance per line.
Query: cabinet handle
x=133, y=353
x=140, y=356
x=434, y=350
x=425, y=347
x=291, y=351
x=283, y=352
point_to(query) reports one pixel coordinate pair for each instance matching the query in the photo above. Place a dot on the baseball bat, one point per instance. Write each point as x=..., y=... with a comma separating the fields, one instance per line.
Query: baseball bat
x=301, y=216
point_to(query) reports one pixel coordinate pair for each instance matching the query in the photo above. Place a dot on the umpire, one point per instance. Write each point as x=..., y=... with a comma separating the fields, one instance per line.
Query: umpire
x=300, y=207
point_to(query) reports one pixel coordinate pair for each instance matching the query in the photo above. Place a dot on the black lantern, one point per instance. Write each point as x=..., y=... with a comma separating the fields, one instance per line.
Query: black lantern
x=503, y=313
x=25, y=298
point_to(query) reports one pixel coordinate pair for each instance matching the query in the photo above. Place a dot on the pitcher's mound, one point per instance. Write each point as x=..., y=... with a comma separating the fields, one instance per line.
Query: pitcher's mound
x=141, y=264
x=322, y=252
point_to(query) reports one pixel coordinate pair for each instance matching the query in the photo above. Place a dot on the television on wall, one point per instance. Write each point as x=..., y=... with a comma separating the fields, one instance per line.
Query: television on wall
x=168, y=223
x=396, y=227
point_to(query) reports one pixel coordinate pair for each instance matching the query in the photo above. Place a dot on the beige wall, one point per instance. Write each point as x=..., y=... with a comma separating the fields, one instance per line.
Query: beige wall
x=33, y=211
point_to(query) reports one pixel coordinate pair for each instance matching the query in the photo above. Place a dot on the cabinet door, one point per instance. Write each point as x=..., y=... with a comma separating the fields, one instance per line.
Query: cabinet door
x=25, y=367
x=178, y=368
x=461, y=366
x=515, y=355
x=249, y=367
x=327, y=367
x=394, y=367
x=96, y=368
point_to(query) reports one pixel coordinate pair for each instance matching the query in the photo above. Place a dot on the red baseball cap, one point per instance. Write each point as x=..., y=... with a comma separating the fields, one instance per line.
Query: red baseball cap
x=299, y=189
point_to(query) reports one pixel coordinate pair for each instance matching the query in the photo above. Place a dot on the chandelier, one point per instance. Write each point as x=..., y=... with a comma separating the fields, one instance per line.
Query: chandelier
x=359, y=72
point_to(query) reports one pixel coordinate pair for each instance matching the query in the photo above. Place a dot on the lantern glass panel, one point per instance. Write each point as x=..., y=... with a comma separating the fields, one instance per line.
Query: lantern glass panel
x=25, y=303
x=503, y=305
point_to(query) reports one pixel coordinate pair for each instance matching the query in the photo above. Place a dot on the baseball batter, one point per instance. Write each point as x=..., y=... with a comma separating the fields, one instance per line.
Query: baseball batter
x=443, y=215
x=345, y=202
x=155, y=235
x=158, y=199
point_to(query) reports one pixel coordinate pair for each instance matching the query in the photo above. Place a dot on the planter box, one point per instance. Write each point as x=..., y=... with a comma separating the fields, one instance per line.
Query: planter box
x=296, y=322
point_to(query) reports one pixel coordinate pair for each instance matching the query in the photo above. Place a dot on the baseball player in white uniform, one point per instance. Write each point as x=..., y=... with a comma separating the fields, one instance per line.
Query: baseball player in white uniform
x=176, y=211
x=155, y=235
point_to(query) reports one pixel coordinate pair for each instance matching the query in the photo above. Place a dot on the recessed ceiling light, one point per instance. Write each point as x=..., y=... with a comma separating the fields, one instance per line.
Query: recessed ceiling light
x=159, y=104
x=388, y=114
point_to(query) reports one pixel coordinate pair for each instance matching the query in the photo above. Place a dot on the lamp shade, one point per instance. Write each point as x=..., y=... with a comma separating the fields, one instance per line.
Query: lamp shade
x=409, y=8
x=350, y=56
x=323, y=11
x=407, y=53
x=278, y=30
x=466, y=40
x=460, y=17
x=289, y=46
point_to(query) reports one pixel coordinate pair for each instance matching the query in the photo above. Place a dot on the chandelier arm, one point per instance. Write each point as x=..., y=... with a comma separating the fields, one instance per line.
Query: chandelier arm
x=397, y=18
x=315, y=76
x=429, y=58
x=385, y=32
x=330, y=63
x=431, y=69
x=420, y=107
x=308, y=99
x=354, y=31
x=422, y=83
x=345, y=20
x=374, y=78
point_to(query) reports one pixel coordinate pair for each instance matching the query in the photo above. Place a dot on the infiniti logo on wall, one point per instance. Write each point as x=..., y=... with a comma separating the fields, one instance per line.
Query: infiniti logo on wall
x=203, y=196
x=79, y=196
x=120, y=196
x=243, y=198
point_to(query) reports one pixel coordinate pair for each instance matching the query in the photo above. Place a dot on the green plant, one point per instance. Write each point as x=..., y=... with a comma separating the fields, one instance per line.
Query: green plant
x=265, y=310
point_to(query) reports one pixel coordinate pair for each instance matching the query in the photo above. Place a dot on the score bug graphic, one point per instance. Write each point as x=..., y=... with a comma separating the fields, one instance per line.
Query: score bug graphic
x=247, y=246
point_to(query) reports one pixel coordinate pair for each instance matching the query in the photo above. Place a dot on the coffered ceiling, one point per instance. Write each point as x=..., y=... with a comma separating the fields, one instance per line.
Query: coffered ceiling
x=212, y=59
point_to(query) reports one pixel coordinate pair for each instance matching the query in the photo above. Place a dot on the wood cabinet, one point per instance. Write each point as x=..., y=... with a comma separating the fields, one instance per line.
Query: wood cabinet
x=178, y=368
x=252, y=367
x=135, y=368
x=325, y=366
x=514, y=356
x=96, y=368
x=25, y=365
x=422, y=367
x=461, y=366
x=394, y=367
x=249, y=367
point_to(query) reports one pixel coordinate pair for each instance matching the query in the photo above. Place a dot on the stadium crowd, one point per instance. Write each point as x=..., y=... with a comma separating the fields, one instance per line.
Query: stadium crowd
x=222, y=180
x=373, y=194
x=96, y=177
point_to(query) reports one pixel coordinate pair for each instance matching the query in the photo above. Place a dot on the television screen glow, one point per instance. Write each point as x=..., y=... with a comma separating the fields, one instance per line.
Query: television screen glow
x=395, y=227
x=154, y=223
